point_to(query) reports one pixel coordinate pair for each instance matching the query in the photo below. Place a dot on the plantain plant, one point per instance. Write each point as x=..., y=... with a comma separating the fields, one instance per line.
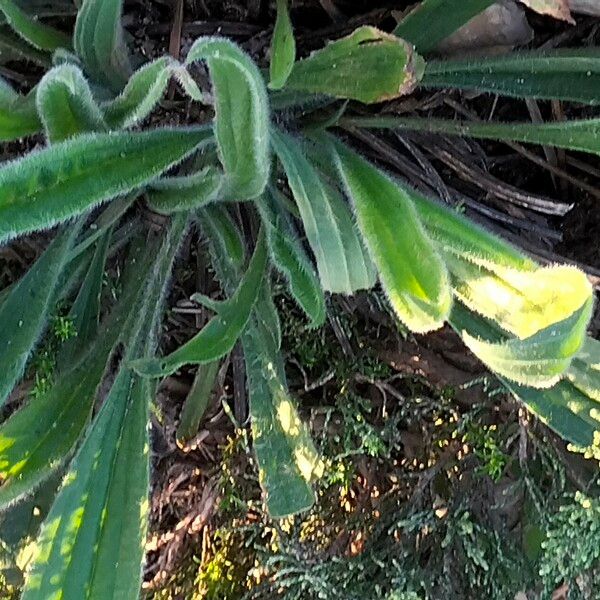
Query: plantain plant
x=314, y=209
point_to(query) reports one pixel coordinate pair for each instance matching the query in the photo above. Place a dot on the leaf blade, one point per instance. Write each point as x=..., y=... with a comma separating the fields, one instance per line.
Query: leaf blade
x=283, y=47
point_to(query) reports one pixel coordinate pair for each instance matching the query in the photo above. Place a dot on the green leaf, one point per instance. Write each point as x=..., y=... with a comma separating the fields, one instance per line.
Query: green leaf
x=66, y=105
x=286, y=457
x=342, y=262
x=142, y=93
x=539, y=360
x=187, y=192
x=72, y=177
x=283, y=47
x=219, y=336
x=242, y=116
x=558, y=74
x=289, y=257
x=99, y=42
x=582, y=135
x=85, y=312
x=24, y=313
x=18, y=114
x=38, y=34
x=196, y=402
x=80, y=553
x=412, y=273
x=13, y=48
x=368, y=65
x=432, y=21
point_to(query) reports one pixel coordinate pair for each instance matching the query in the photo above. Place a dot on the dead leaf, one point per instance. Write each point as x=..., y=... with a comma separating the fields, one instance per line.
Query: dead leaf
x=585, y=7
x=559, y=9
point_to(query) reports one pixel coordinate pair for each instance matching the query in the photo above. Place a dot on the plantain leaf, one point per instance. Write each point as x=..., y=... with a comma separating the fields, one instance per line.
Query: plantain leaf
x=38, y=34
x=175, y=194
x=539, y=360
x=242, y=116
x=99, y=42
x=558, y=74
x=196, y=402
x=286, y=457
x=66, y=105
x=432, y=21
x=411, y=271
x=289, y=257
x=219, y=336
x=18, y=114
x=72, y=177
x=24, y=312
x=15, y=48
x=343, y=264
x=368, y=65
x=582, y=135
x=283, y=47
x=142, y=93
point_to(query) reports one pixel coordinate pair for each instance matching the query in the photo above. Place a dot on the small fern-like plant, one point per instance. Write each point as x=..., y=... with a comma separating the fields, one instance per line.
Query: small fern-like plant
x=349, y=225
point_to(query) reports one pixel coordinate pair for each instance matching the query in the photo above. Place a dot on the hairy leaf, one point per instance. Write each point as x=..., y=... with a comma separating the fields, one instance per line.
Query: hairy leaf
x=286, y=456
x=219, y=336
x=18, y=114
x=66, y=104
x=411, y=271
x=142, y=93
x=584, y=372
x=368, y=65
x=582, y=135
x=15, y=48
x=72, y=177
x=432, y=21
x=539, y=360
x=283, y=47
x=99, y=42
x=342, y=262
x=38, y=34
x=187, y=192
x=242, y=116
x=24, y=312
x=558, y=74
x=196, y=402
x=289, y=257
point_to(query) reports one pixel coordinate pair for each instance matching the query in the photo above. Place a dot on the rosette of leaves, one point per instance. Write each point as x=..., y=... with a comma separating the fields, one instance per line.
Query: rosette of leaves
x=347, y=225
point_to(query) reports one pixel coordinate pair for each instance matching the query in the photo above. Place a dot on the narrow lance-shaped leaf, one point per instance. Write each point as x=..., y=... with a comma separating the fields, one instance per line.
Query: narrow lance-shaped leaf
x=219, y=336
x=285, y=453
x=368, y=65
x=100, y=44
x=289, y=257
x=187, y=192
x=66, y=104
x=283, y=47
x=24, y=313
x=582, y=135
x=432, y=21
x=539, y=360
x=241, y=119
x=14, y=48
x=72, y=177
x=584, y=372
x=342, y=262
x=92, y=542
x=38, y=439
x=411, y=271
x=38, y=34
x=18, y=114
x=554, y=75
